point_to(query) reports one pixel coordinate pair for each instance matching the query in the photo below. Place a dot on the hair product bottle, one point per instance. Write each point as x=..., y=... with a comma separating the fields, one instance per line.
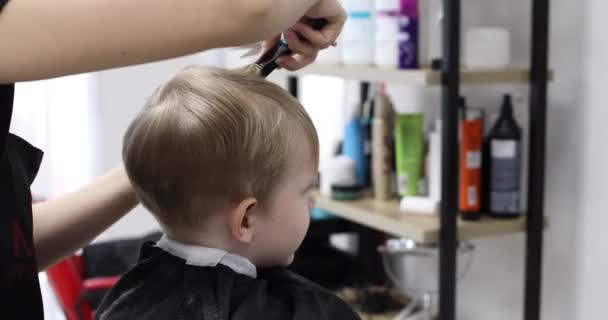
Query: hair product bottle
x=382, y=151
x=504, y=167
x=357, y=39
x=471, y=143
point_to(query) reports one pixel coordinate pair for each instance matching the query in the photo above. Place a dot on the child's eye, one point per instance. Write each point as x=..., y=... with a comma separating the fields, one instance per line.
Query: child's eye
x=310, y=188
x=312, y=185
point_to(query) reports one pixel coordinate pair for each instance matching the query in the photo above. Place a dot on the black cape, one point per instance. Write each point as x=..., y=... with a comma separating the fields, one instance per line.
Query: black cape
x=162, y=286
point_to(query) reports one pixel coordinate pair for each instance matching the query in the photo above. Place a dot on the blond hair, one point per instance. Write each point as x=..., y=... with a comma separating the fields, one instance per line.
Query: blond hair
x=209, y=137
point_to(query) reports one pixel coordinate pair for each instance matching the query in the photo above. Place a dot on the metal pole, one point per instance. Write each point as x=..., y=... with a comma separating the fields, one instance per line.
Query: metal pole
x=364, y=92
x=292, y=85
x=538, y=124
x=449, y=161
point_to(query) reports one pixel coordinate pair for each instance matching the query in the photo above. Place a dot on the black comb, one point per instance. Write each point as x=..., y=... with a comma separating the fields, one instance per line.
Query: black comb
x=267, y=63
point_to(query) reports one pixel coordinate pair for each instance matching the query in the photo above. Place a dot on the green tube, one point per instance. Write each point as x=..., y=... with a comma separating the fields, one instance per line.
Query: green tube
x=409, y=147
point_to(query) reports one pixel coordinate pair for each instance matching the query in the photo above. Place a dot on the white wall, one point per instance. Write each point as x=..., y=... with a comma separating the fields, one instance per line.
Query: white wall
x=592, y=275
x=494, y=287
x=45, y=114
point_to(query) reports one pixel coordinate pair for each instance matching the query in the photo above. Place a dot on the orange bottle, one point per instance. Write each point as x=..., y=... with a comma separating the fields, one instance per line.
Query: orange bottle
x=471, y=142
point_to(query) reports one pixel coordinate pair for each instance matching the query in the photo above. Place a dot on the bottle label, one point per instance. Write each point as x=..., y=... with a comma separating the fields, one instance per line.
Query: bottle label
x=505, y=176
x=387, y=26
x=472, y=196
x=357, y=38
x=471, y=140
x=362, y=14
x=504, y=149
x=402, y=183
x=473, y=159
x=388, y=38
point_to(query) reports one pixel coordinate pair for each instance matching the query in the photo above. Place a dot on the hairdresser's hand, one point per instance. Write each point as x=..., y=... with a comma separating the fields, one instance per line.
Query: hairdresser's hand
x=306, y=47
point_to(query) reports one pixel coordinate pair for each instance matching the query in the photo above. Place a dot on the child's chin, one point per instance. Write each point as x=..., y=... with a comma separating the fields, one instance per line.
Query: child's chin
x=288, y=261
x=276, y=262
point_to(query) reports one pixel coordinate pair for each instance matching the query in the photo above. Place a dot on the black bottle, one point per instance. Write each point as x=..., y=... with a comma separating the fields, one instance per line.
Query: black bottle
x=502, y=165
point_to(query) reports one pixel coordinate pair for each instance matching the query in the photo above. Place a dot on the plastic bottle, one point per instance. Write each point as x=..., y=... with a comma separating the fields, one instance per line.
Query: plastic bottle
x=408, y=43
x=354, y=144
x=357, y=38
x=339, y=170
x=471, y=143
x=382, y=153
x=504, y=152
x=430, y=31
x=388, y=35
x=434, y=162
x=409, y=145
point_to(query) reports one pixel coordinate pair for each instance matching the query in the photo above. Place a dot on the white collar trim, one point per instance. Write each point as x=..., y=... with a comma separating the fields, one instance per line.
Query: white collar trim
x=207, y=257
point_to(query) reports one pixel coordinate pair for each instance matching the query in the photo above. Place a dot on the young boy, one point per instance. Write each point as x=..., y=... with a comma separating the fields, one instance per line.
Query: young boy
x=225, y=162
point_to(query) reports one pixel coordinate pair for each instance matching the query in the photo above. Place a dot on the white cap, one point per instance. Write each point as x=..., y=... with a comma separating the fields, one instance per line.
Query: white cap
x=438, y=124
x=418, y=206
x=358, y=5
x=338, y=170
x=487, y=48
x=408, y=99
x=388, y=5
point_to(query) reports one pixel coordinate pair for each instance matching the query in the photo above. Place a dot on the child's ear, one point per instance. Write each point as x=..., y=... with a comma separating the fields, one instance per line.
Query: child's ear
x=242, y=221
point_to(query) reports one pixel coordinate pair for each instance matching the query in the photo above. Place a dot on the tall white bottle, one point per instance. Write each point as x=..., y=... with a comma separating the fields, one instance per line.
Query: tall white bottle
x=357, y=39
x=430, y=31
x=386, y=51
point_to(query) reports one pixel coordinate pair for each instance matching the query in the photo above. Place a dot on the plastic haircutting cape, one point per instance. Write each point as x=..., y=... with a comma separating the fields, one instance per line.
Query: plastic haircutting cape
x=163, y=286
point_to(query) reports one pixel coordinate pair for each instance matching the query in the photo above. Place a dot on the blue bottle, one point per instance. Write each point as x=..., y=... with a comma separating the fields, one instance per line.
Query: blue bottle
x=354, y=148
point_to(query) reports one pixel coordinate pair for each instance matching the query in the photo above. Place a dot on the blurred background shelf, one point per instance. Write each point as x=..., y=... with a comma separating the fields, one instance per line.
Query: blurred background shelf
x=385, y=216
x=420, y=77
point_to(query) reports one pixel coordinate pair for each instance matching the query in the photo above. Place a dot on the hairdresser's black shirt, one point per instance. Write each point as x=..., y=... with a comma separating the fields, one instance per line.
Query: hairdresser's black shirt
x=164, y=287
x=19, y=289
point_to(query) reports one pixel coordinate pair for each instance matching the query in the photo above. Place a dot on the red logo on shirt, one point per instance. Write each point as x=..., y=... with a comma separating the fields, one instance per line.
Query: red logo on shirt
x=22, y=245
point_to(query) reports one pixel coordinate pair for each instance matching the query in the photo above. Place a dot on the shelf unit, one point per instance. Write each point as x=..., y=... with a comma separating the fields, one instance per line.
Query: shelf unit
x=447, y=228
x=420, y=77
x=385, y=216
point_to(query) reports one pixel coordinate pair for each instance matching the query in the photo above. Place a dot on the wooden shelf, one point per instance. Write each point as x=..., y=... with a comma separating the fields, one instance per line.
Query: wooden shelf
x=385, y=316
x=385, y=216
x=421, y=77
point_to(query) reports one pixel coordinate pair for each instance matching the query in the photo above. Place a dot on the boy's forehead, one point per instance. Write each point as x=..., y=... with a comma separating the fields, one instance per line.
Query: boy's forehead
x=300, y=146
x=300, y=160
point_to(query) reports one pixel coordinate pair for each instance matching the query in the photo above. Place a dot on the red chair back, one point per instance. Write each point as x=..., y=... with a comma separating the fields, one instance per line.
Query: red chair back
x=67, y=283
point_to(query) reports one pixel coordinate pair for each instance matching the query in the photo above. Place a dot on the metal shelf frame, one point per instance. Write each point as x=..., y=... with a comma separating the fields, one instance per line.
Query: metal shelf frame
x=450, y=88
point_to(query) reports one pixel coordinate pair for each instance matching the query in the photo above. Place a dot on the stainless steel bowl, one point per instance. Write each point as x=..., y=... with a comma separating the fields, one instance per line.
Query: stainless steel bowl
x=414, y=268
